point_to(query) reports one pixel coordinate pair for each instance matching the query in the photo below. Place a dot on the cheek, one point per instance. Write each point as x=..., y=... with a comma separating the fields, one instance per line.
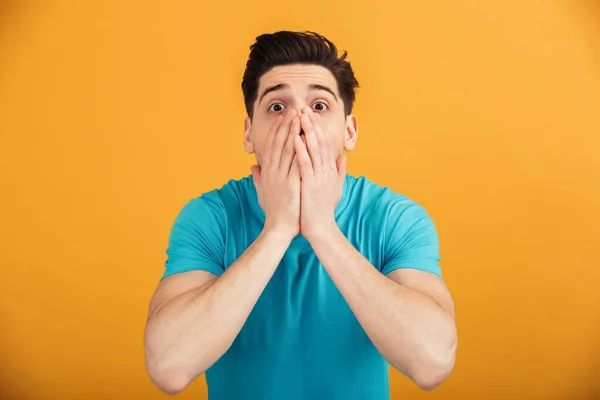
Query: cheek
x=335, y=133
x=259, y=135
x=260, y=132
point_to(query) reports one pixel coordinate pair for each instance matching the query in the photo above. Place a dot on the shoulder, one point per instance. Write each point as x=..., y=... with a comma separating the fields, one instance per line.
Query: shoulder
x=381, y=202
x=215, y=203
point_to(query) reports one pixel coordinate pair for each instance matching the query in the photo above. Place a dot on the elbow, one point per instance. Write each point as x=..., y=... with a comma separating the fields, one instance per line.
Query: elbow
x=431, y=378
x=168, y=385
x=433, y=371
x=170, y=382
x=167, y=377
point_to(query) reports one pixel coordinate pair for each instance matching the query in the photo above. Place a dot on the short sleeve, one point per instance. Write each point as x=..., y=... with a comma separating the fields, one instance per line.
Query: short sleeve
x=197, y=238
x=411, y=240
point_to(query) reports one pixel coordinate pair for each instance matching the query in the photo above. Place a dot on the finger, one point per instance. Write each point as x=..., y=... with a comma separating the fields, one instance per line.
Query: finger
x=303, y=159
x=312, y=144
x=280, y=138
x=269, y=140
x=325, y=146
x=288, y=150
x=294, y=169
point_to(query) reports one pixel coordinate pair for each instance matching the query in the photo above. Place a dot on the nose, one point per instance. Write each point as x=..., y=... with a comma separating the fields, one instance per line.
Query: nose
x=300, y=109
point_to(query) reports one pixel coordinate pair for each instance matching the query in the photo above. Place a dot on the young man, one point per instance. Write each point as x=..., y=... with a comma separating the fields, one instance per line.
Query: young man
x=300, y=282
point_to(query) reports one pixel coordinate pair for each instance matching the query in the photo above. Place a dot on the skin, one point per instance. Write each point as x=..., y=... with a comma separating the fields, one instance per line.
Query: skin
x=195, y=316
x=341, y=128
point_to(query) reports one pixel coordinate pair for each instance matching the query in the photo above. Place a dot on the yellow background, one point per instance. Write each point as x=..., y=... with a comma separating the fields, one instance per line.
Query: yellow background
x=114, y=113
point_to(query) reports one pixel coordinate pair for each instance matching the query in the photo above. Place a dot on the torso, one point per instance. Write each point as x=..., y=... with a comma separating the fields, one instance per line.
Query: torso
x=301, y=339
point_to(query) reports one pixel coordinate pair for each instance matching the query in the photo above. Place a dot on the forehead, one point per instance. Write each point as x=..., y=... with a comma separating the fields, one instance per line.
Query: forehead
x=298, y=75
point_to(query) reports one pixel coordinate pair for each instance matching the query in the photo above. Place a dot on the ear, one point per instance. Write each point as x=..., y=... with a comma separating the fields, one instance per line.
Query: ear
x=248, y=145
x=351, y=132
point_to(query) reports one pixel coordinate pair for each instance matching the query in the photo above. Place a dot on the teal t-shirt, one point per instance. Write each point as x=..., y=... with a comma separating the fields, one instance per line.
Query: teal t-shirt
x=301, y=341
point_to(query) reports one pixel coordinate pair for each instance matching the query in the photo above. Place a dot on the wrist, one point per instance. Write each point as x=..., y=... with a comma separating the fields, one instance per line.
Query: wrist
x=282, y=233
x=322, y=232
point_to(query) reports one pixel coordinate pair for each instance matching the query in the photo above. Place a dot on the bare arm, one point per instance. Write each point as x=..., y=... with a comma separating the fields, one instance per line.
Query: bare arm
x=409, y=318
x=194, y=316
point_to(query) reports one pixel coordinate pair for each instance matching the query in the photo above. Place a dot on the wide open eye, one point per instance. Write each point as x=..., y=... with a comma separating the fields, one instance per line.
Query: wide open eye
x=276, y=107
x=320, y=106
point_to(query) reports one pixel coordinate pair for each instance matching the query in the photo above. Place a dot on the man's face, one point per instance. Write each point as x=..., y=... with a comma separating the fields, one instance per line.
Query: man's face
x=297, y=87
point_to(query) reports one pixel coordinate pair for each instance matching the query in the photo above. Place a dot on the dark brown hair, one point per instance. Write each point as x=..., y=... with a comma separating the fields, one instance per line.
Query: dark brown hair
x=284, y=48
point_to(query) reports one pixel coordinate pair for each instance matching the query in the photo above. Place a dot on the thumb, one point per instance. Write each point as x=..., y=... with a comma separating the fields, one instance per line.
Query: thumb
x=255, y=171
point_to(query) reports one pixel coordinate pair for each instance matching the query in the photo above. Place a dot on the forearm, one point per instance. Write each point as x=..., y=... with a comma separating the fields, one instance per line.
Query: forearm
x=409, y=329
x=189, y=333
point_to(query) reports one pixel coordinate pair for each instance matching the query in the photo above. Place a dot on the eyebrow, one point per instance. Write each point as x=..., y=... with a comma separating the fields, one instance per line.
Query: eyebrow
x=287, y=86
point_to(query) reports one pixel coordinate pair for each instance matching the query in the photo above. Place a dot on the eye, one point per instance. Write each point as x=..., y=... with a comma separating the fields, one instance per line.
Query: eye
x=320, y=106
x=276, y=107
